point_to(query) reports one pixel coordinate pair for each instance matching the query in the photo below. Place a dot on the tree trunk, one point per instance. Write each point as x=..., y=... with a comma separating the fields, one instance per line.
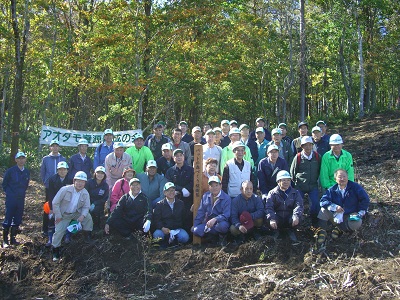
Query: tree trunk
x=20, y=45
x=346, y=83
x=302, y=61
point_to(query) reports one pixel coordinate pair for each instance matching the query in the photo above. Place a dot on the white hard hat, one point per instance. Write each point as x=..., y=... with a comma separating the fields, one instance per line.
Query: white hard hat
x=80, y=175
x=100, y=169
x=62, y=164
x=83, y=142
x=282, y=175
x=306, y=139
x=335, y=139
x=272, y=147
x=237, y=145
x=233, y=131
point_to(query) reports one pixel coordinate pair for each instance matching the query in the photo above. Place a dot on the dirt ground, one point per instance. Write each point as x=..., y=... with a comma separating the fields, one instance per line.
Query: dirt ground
x=365, y=265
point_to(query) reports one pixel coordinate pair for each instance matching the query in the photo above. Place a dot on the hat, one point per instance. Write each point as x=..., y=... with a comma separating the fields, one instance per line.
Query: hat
x=224, y=122
x=301, y=124
x=62, y=164
x=335, y=139
x=54, y=142
x=196, y=128
x=158, y=125
x=74, y=226
x=282, y=124
x=276, y=131
x=138, y=136
x=234, y=130
x=244, y=126
x=282, y=175
x=100, y=169
x=260, y=129
x=233, y=122
x=168, y=185
x=118, y=145
x=237, y=145
x=260, y=119
x=128, y=169
x=306, y=139
x=217, y=129
x=151, y=163
x=108, y=131
x=214, y=179
x=246, y=220
x=176, y=151
x=161, y=122
x=183, y=123
x=83, y=142
x=166, y=146
x=210, y=131
x=272, y=147
x=20, y=154
x=316, y=128
x=320, y=122
x=81, y=176
x=133, y=180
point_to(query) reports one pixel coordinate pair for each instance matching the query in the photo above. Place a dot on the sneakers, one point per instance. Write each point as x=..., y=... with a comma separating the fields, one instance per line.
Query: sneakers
x=336, y=233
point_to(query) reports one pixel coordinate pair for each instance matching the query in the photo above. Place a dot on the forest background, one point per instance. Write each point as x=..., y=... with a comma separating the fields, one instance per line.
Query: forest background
x=96, y=64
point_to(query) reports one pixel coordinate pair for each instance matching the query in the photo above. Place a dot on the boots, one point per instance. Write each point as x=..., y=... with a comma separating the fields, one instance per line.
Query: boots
x=5, y=237
x=14, y=231
x=56, y=254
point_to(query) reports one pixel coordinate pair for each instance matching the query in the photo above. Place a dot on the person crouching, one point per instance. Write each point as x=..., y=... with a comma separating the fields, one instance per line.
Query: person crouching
x=72, y=202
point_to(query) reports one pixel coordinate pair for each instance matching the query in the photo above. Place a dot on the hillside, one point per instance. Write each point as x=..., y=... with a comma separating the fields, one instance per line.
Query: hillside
x=358, y=266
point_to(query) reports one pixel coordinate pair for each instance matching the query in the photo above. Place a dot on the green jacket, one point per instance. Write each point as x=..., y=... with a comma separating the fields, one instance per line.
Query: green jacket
x=330, y=164
x=140, y=157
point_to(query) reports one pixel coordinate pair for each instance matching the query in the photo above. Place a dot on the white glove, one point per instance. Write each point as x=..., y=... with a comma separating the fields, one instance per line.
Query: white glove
x=146, y=226
x=91, y=208
x=51, y=216
x=172, y=235
x=338, y=218
x=185, y=193
x=206, y=229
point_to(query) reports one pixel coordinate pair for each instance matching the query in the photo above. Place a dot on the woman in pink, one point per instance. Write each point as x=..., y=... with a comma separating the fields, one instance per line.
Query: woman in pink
x=121, y=187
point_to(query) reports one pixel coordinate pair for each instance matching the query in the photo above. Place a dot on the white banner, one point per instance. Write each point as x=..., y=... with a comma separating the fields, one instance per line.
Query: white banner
x=70, y=138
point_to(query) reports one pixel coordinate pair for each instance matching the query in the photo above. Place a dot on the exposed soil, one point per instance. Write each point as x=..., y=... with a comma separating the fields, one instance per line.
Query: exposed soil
x=365, y=265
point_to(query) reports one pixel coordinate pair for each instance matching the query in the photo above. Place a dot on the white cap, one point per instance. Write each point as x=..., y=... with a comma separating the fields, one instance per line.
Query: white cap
x=118, y=145
x=237, y=145
x=217, y=129
x=282, y=174
x=138, y=136
x=234, y=130
x=20, y=154
x=151, y=163
x=276, y=131
x=272, y=147
x=168, y=185
x=166, y=146
x=80, y=175
x=100, y=169
x=108, y=131
x=133, y=180
x=196, y=128
x=306, y=139
x=316, y=128
x=62, y=164
x=83, y=142
x=214, y=179
x=335, y=139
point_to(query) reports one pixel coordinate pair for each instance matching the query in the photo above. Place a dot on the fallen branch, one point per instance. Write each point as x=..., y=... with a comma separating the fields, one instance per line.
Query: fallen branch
x=240, y=268
x=388, y=189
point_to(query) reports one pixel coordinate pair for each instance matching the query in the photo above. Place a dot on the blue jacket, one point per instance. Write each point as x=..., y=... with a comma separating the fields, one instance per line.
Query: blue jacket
x=49, y=167
x=253, y=149
x=220, y=210
x=77, y=164
x=283, y=204
x=322, y=146
x=100, y=154
x=15, y=182
x=355, y=198
x=182, y=177
x=98, y=192
x=163, y=165
x=267, y=176
x=253, y=205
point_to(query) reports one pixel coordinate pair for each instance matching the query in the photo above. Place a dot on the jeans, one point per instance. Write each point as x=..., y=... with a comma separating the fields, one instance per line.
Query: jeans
x=313, y=197
x=182, y=236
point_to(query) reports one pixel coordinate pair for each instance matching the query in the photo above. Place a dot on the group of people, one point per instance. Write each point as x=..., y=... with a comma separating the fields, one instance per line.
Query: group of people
x=253, y=182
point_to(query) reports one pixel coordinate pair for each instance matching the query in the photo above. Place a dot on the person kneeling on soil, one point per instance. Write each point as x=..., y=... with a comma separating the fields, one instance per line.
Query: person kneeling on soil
x=132, y=213
x=168, y=218
x=72, y=202
x=247, y=213
x=344, y=205
x=213, y=215
x=284, y=206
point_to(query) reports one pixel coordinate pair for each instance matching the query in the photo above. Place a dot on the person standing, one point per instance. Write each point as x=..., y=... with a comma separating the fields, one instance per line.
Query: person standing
x=15, y=183
x=104, y=149
x=80, y=161
x=177, y=143
x=155, y=141
x=115, y=164
x=139, y=154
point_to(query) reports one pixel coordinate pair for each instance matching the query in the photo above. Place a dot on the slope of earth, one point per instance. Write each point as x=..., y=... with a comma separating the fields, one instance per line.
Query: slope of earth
x=365, y=265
